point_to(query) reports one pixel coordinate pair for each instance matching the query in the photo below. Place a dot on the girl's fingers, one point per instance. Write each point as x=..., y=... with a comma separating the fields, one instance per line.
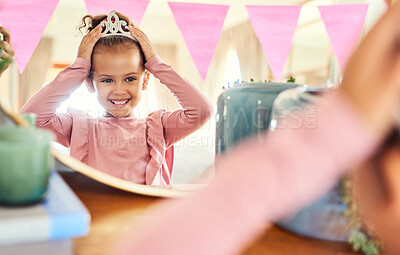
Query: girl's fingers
x=88, y=42
x=9, y=49
x=94, y=38
x=93, y=34
x=372, y=74
x=6, y=56
x=141, y=35
x=90, y=39
x=135, y=31
x=95, y=31
x=132, y=30
x=144, y=42
x=6, y=49
x=6, y=33
x=383, y=41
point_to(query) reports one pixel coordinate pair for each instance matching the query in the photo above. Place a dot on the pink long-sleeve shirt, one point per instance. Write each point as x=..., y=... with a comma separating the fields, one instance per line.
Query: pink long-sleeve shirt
x=129, y=148
x=260, y=181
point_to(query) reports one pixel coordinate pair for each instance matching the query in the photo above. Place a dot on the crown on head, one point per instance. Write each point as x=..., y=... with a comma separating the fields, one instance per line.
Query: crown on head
x=114, y=26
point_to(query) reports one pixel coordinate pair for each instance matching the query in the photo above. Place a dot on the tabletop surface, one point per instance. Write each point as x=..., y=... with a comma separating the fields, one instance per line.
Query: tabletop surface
x=113, y=210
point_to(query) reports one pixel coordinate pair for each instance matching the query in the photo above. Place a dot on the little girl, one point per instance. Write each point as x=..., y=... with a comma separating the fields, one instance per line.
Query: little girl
x=261, y=181
x=115, y=60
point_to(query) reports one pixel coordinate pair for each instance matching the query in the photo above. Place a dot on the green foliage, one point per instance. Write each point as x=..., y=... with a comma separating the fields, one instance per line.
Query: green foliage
x=361, y=237
x=361, y=242
x=4, y=63
x=292, y=79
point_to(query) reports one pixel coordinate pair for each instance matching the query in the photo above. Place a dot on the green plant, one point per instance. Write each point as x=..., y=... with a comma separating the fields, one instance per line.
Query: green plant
x=361, y=242
x=361, y=237
x=292, y=79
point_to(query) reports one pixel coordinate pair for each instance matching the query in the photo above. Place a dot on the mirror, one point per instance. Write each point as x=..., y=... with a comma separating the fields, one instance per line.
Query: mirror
x=65, y=163
x=238, y=56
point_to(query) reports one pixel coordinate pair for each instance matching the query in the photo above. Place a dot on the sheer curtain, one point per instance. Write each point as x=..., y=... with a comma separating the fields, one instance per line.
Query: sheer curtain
x=33, y=77
x=253, y=63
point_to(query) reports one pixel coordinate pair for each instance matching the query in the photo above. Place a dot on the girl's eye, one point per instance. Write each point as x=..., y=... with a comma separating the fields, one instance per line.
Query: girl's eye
x=107, y=80
x=130, y=79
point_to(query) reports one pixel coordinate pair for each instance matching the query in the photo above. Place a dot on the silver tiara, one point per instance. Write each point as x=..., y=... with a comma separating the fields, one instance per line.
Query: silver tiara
x=114, y=26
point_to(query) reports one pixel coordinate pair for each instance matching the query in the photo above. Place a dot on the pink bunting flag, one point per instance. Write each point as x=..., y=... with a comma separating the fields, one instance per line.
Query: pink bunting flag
x=201, y=27
x=134, y=9
x=26, y=20
x=343, y=24
x=274, y=27
x=386, y=4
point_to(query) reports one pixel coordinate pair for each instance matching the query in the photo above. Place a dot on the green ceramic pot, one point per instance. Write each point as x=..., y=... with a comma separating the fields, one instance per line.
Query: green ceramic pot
x=25, y=164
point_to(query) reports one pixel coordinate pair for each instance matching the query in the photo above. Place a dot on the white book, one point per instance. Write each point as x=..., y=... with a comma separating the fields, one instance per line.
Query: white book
x=60, y=247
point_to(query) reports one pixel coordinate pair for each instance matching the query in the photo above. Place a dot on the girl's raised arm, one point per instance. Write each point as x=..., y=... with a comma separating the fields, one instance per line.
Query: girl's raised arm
x=196, y=111
x=45, y=102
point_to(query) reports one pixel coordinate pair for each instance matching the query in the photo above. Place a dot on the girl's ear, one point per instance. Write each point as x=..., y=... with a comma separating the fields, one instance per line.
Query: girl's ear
x=146, y=79
x=89, y=84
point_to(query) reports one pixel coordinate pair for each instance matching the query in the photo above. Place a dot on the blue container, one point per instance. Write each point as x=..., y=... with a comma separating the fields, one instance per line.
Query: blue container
x=324, y=219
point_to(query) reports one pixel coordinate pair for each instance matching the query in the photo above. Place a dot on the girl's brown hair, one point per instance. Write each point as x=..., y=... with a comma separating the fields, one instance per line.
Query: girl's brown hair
x=89, y=22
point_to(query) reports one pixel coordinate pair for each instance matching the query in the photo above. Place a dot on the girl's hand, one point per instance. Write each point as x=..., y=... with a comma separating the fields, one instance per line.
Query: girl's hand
x=141, y=37
x=87, y=44
x=371, y=79
x=6, y=50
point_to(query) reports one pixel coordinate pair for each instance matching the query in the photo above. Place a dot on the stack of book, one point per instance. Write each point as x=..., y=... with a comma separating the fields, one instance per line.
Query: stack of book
x=47, y=227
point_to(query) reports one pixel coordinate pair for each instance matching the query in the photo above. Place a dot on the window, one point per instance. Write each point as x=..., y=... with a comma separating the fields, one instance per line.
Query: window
x=83, y=100
x=232, y=70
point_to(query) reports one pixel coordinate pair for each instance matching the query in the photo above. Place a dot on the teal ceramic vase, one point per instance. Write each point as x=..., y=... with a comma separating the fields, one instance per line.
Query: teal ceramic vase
x=245, y=110
x=25, y=164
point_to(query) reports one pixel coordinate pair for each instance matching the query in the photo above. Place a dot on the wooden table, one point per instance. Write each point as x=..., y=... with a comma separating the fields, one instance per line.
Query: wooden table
x=113, y=210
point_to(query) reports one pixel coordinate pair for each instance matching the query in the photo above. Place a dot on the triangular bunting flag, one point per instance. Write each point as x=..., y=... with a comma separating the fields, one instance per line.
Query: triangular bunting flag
x=386, y=3
x=26, y=21
x=274, y=27
x=201, y=27
x=134, y=9
x=343, y=24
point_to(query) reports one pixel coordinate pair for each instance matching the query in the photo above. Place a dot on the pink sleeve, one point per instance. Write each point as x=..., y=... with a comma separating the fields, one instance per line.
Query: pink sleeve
x=196, y=108
x=45, y=102
x=259, y=182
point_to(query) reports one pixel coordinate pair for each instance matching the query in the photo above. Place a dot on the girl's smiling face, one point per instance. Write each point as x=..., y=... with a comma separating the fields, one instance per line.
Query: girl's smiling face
x=118, y=78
